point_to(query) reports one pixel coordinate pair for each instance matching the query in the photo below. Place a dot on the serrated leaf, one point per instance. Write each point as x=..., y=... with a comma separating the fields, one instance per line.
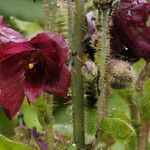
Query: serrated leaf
x=120, y=113
x=6, y=144
x=117, y=129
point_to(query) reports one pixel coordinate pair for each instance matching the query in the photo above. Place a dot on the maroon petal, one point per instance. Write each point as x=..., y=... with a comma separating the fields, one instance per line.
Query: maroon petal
x=11, y=48
x=61, y=84
x=130, y=22
x=32, y=92
x=11, y=94
x=8, y=34
x=11, y=84
x=51, y=46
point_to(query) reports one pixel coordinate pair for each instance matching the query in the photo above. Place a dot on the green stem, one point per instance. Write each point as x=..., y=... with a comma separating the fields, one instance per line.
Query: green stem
x=48, y=121
x=145, y=124
x=50, y=17
x=77, y=87
x=46, y=5
x=102, y=104
x=50, y=11
x=70, y=22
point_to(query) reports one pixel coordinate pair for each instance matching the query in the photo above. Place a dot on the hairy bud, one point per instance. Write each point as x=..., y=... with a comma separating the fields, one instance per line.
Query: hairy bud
x=121, y=74
x=89, y=70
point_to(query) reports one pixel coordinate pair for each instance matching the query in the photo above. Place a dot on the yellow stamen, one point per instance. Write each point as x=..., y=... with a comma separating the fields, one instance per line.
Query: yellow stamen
x=31, y=65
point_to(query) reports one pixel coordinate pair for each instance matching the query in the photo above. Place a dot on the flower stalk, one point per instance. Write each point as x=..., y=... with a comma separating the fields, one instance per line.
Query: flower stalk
x=48, y=118
x=102, y=104
x=50, y=10
x=48, y=121
x=145, y=124
x=77, y=85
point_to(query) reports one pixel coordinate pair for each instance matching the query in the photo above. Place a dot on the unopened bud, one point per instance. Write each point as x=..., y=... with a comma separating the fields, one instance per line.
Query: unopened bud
x=121, y=74
x=89, y=70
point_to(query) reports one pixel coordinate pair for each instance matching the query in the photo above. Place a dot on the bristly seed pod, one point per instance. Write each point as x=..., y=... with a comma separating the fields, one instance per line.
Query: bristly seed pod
x=121, y=74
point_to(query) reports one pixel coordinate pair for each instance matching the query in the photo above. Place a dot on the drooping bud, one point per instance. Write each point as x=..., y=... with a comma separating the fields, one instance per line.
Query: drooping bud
x=89, y=70
x=121, y=74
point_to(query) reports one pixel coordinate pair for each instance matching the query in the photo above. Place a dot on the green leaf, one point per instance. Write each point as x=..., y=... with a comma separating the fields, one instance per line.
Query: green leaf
x=6, y=144
x=120, y=113
x=117, y=129
x=30, y=117
x=26, y=27
x=6, y=125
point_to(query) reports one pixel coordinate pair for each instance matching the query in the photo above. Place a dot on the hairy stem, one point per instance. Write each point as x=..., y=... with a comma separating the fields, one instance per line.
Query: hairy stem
x=48, y=121
x=77, y=86
x=102, y=104
x=143, y=137
x=50, y=10
x=70, y=22
x=46, y=5
x=50, y=17
x=145, y=124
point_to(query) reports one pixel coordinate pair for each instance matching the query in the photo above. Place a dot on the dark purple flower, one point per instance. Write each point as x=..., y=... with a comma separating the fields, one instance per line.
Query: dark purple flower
x=30, y=67
x=131, y=30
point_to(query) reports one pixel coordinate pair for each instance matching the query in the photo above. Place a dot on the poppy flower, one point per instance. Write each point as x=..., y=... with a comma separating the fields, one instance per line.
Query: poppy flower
x=30, y=67
x=130, y=30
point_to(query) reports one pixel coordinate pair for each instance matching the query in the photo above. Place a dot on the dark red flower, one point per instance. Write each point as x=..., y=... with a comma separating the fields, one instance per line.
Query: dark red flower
x=131, y=30
x=30, y=67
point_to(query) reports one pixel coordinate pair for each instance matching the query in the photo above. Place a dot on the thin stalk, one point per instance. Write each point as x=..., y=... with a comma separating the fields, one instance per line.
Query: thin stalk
x=102, y=104
x=70, y=22
x=144, y=133
x=50, y=11
x=77, y=86
x=46, y=5
x=145, y=124
x=48, y=122
x=48, y=118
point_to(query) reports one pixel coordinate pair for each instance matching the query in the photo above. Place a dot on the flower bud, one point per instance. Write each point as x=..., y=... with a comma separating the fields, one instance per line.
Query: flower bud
x=121, y=74
x=22, y=134
x=89, y=70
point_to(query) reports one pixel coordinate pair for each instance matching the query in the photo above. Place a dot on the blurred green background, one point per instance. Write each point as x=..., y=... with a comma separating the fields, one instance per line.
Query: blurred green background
x=22, y=9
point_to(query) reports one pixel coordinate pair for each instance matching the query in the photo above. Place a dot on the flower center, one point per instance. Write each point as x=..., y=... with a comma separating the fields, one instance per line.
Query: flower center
x=30, y=65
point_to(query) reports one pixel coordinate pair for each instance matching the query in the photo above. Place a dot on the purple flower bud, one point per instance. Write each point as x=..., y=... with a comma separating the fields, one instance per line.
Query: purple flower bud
x=89, y=70
x=91, y=23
